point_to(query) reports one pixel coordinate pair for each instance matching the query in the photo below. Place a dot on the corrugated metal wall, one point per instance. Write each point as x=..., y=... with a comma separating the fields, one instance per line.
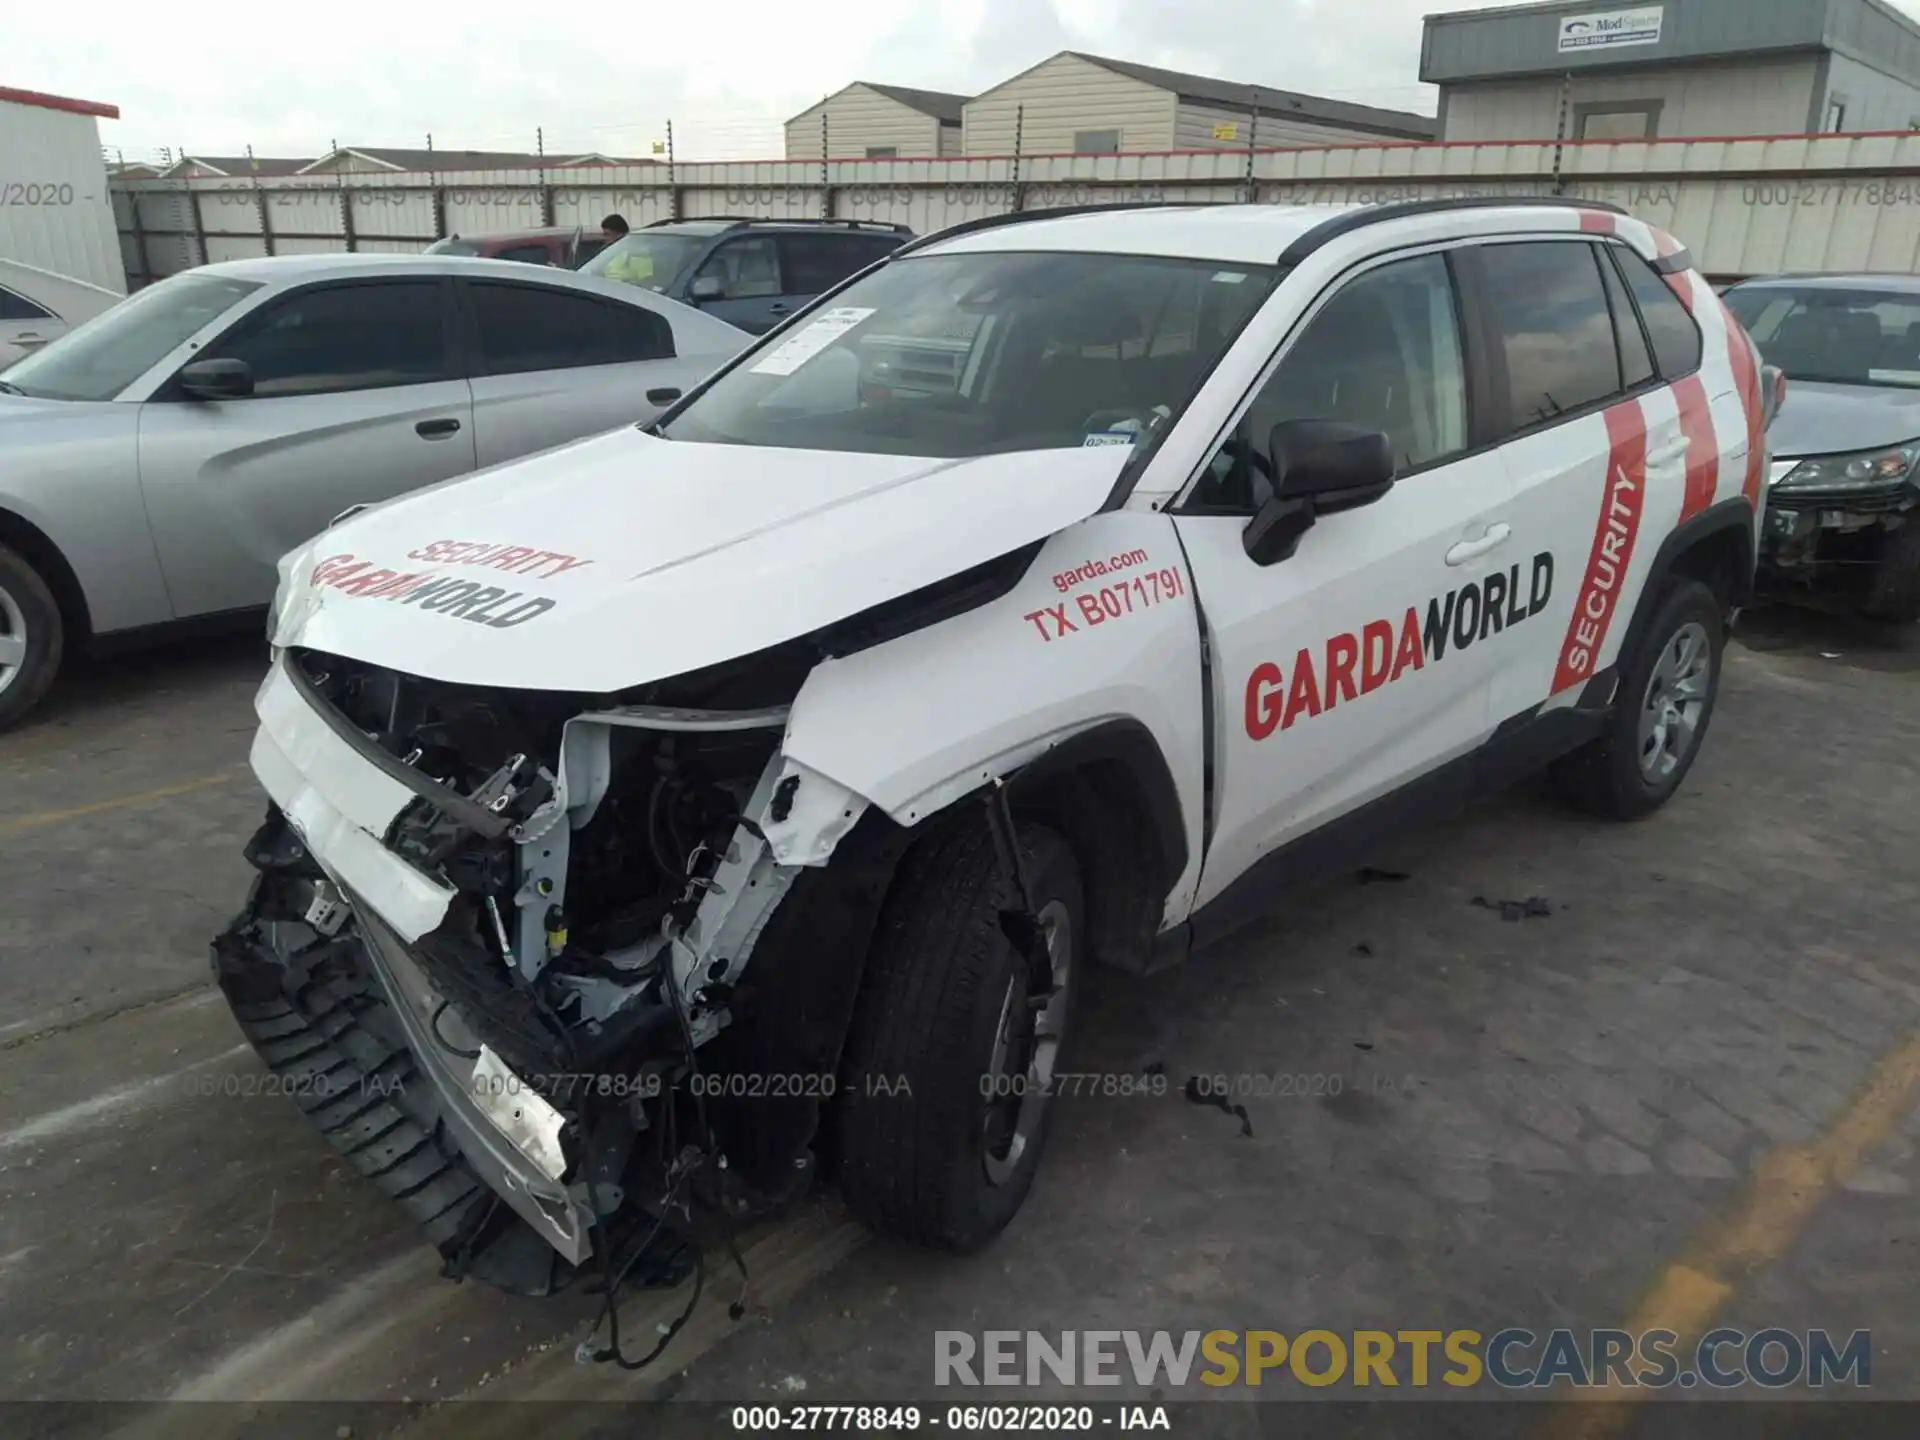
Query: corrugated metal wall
x=1768, y=98
x=55, y=211
x=1060, y=98
x=857, y=119
x=1743, y=206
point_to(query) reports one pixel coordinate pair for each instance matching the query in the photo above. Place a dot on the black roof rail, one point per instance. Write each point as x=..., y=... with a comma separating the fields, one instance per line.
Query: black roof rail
x=1014, y=217
x=1345, y=224
x=733, y=222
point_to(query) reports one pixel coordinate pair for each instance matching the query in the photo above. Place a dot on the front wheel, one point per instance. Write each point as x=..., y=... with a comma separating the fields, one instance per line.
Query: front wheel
x=1668, y=686
x=31, y=637
x=956, y=1043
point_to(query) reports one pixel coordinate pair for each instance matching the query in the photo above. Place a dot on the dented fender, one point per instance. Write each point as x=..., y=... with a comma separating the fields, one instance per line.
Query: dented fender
x=1101, y=628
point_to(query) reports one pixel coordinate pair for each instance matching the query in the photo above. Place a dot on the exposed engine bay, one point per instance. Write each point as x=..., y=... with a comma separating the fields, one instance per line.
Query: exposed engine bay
x=608, y=866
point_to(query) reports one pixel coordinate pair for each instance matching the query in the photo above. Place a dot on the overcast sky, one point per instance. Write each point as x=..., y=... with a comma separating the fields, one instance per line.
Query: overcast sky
x=607, y=75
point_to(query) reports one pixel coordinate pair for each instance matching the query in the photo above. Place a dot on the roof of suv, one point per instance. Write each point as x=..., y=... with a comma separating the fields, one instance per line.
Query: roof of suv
x=716, y=224
x=1238, y=234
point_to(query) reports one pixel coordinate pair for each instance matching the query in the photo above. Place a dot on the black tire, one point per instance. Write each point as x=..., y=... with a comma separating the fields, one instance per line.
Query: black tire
x=1605, y=777
x=913, y=1156
x=1895, y=592
x=22, y=689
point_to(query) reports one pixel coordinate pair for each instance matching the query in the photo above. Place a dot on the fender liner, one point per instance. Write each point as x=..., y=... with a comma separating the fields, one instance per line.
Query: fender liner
x=1132, y=745
x=1127, y=881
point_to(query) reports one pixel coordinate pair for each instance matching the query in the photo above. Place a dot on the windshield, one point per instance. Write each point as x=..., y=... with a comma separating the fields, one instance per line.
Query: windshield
x=652, y=259
x=115, y=348
x=1848, y=337
x=951, y=356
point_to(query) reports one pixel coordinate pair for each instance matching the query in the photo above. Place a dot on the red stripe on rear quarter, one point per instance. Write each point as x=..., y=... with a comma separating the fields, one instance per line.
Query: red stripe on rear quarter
x=1746, y=381
x=1599, y=222
x=1680, y=282
x=1664, y=244
x=1622, y=496
x=1703, y=448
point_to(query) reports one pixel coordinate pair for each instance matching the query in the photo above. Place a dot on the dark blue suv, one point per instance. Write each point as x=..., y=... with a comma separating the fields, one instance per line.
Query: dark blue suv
x=750, y=273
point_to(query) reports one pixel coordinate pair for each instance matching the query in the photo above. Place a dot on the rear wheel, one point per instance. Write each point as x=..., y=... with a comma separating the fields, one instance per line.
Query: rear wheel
x=1665, y=702
x=956, y=1042
x=32, y=637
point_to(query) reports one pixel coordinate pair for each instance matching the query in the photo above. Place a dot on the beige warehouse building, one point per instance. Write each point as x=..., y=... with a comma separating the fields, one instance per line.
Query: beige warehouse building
x=1083, y=104
x=877, y=122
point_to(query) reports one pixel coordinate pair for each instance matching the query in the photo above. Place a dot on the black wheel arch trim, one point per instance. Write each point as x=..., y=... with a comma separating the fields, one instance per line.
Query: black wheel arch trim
x=1128, y=742
x=1734, y=514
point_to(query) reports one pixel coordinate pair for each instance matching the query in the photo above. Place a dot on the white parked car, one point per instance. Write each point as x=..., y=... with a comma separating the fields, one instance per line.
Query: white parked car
x=158, y=461
x=39, y=306
x=673, y=811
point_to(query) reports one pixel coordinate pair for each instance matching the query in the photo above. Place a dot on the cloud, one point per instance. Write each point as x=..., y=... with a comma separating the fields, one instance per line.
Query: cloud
x=488, y=74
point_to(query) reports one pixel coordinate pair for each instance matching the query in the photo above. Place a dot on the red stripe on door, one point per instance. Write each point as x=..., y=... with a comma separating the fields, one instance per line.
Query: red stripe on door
x=1746, y=380
x=1621, y=501
x=1703, y=448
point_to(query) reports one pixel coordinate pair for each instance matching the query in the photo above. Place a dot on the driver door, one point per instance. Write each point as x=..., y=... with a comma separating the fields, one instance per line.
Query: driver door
x=752, y=294
x=1363, y=662
x=357, y=398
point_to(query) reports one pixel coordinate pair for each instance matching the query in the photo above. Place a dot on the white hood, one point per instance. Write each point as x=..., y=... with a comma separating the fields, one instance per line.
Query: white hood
x=627, y=558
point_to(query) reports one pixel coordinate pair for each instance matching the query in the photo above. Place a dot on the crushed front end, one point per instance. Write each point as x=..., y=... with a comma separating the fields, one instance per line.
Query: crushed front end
x=1845, y=529
x=499, y=943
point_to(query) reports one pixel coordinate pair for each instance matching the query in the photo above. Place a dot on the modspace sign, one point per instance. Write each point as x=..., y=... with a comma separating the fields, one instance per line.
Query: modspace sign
x=1611, y=29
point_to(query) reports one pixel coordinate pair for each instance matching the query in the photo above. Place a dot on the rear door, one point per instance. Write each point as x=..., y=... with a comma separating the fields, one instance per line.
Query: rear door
x=1363, y=662
x=753, y=294
x=812, y=263
x=550, y=364
x=1596, y=446
x=25, y=325
x=357, y=398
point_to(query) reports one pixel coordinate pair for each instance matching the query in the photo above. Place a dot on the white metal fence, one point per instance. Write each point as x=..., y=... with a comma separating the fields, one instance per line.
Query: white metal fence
x=1744, y=205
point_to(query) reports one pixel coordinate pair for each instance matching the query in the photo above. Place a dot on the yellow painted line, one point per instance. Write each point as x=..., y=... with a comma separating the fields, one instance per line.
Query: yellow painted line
x=121, y=802
x=1788, y=1186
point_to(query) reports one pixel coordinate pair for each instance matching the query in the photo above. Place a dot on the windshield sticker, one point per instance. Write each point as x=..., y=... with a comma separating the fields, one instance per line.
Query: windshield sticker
x=1228, y=277
x=1108, y=437
x=790, y=354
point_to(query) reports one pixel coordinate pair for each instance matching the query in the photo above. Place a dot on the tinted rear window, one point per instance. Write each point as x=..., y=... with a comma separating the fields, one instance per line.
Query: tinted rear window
x=1550, y=315
x=1676, y=339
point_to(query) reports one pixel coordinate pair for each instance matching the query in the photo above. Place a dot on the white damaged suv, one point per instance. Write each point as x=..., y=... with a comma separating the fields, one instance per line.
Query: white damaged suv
x=664, y=818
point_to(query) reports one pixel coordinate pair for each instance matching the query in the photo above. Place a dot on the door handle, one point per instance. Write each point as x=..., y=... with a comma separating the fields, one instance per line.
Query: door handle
x=1667, y=454
x=436, y=429
x=663, y=394
x=1466, y=550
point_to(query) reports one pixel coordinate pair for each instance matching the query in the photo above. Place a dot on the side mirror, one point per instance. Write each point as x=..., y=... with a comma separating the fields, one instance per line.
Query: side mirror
x=1773, y=392
x=707, y=287
x=217, y=379
x=1320, y=467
